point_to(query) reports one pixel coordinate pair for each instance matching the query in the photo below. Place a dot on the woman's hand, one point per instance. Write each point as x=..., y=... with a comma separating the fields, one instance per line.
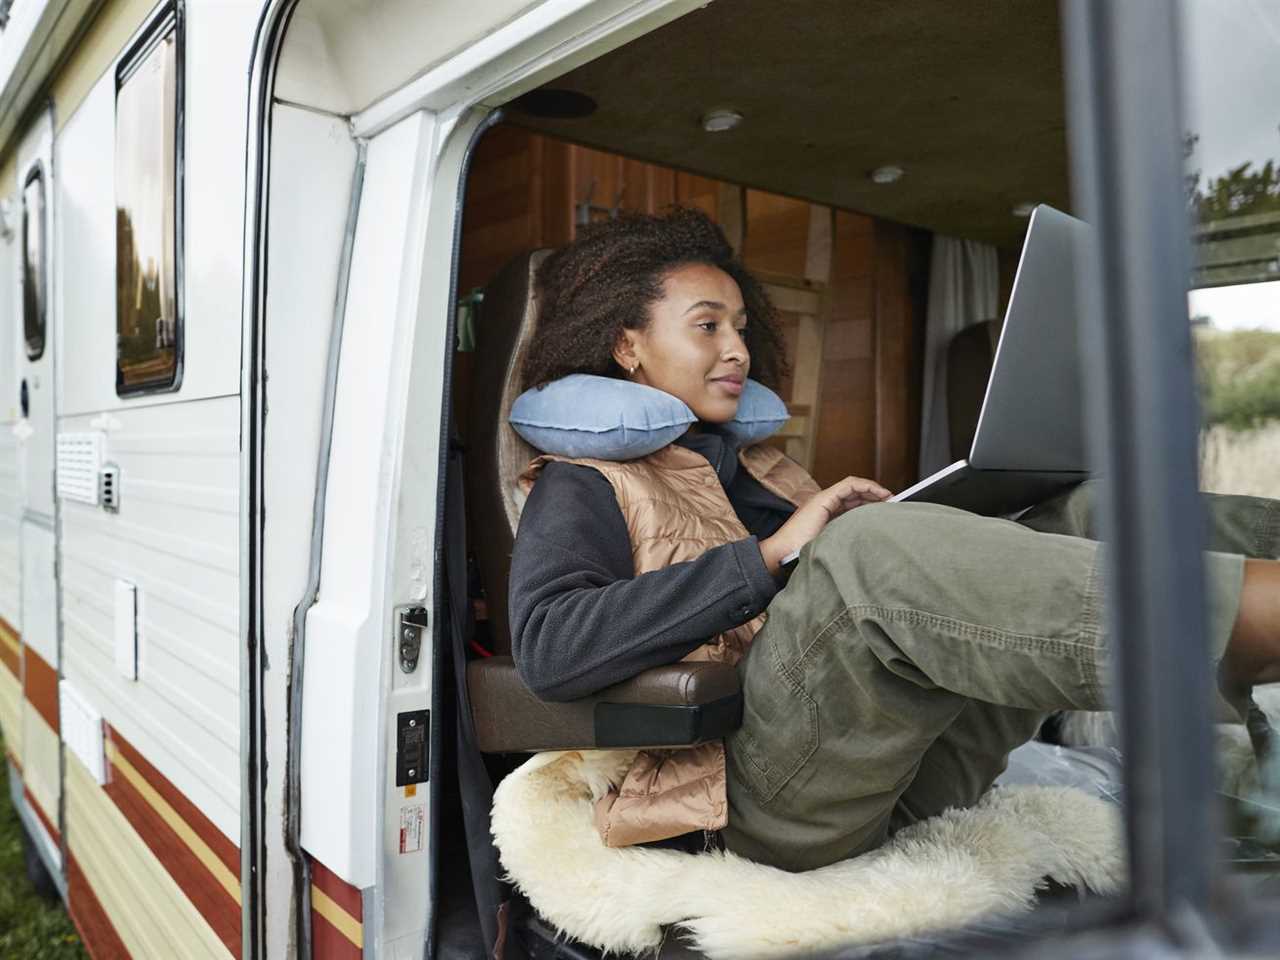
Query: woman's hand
x=807, y=522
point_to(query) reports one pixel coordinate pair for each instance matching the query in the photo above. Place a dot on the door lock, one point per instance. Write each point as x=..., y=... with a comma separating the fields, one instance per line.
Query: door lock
x=413, y=747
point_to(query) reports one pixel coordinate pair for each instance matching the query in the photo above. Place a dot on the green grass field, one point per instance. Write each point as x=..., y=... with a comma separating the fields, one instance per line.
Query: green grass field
x=31, y=928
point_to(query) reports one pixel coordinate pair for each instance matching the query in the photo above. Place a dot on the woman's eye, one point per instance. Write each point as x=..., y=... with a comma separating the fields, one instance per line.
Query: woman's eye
x=708, y=325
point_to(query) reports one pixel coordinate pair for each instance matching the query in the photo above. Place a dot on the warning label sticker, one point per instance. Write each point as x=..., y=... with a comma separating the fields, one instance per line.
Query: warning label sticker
x=412, y=826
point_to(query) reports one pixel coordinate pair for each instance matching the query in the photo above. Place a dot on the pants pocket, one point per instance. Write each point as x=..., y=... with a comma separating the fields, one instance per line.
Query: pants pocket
x=779, y=732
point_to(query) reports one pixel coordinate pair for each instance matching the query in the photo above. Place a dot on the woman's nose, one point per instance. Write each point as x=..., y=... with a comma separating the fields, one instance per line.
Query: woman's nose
x=735, y=349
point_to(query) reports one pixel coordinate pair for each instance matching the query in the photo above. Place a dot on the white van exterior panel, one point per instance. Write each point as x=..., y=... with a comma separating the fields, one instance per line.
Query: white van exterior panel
x=219, y=46
x=10, y=478
x=312, y=165
x=347, y=637
x=86, y=340
x=176, y=538
x=36, y=440
x=10, y=306
x=10, y=516
x=218, y=41
x=24, y=19
x=343, y=55
x=39, y=600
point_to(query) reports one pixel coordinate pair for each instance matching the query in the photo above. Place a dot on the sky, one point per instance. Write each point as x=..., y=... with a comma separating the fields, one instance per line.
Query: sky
x=1245, y=307
x=1232, y=82
x=1233, y=103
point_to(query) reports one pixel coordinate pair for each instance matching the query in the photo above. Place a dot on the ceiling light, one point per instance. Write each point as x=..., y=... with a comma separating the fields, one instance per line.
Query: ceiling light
x=1024, y=209
x=886, y=174
x=718, y=121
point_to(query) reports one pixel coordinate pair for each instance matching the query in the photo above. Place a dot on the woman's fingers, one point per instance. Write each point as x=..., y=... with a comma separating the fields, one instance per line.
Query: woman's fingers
x=860, y=488
x=852, y=492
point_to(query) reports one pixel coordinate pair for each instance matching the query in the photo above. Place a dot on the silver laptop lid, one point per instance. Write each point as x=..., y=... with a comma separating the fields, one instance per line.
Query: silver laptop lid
x=1032, y=415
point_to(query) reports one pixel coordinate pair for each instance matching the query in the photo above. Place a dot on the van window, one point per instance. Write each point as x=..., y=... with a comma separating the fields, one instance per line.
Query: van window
x=148, y=244
x=1233, y=191
x=34, y=294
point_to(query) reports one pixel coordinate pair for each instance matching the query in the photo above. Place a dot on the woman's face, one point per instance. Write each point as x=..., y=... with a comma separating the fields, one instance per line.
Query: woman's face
x=693, y=347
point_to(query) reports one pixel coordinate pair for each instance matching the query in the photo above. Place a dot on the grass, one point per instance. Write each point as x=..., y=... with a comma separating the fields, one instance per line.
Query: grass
x=1239, y=372
x=31, y=928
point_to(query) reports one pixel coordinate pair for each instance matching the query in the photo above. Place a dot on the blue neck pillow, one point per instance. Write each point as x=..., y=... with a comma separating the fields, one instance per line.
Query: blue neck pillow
x=583, y=415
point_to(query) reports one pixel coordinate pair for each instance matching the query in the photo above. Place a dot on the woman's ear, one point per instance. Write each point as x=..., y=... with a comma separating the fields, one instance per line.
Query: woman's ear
x=624, y=350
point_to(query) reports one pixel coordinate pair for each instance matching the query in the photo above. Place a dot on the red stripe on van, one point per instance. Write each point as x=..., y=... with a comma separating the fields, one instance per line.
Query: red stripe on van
x=42, y=816
x=330, y=943
x=40, y=686
x=96, y=930
x=203, y=827
x=218, y=907
x=338, y=890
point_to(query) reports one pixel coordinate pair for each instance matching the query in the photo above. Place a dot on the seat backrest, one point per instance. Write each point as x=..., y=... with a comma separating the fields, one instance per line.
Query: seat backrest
x=496, y=455
x=969, y=359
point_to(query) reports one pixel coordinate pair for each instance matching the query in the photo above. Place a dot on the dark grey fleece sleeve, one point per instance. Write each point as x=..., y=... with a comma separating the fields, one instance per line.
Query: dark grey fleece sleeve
x=581, y=619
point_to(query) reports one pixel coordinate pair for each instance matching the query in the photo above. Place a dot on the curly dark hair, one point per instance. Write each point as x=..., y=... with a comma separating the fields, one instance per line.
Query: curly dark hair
x=603, y=282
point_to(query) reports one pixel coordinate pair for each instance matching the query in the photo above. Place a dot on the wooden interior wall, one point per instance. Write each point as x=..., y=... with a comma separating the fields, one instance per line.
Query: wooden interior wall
x=525, y=191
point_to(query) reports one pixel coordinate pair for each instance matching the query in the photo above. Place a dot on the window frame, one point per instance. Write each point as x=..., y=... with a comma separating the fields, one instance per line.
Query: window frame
x=36, y=174
x=170, y=19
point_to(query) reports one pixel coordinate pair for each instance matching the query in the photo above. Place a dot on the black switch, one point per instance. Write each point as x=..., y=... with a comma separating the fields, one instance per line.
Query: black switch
x=413, y=746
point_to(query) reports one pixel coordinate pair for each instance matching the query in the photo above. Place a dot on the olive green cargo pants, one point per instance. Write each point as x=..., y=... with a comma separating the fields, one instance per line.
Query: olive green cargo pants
x=916, y=646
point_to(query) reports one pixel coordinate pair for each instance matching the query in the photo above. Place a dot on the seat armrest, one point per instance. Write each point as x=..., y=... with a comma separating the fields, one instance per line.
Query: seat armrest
x=679, y=705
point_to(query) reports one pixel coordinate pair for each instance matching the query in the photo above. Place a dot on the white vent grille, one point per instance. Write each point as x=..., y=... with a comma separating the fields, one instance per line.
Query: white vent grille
x=79, y=458
x=81, y=729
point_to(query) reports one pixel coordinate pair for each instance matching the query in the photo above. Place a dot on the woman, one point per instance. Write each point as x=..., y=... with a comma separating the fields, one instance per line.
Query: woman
x=912, y=648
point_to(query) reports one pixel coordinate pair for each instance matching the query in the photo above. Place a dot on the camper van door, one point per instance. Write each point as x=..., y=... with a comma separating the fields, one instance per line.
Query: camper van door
x=33, y=430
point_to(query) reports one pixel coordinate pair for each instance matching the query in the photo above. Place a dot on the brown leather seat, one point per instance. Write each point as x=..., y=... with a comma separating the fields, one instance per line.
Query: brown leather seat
x=677, y=705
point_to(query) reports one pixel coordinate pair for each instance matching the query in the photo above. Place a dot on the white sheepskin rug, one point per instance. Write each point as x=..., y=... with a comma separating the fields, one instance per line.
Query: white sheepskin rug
x=944, y=872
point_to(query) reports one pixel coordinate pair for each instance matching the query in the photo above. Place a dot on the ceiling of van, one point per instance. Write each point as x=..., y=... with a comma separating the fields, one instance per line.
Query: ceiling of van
x=966, y=97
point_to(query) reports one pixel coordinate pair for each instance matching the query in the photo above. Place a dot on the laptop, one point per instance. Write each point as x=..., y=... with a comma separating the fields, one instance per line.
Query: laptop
x=1030, y=441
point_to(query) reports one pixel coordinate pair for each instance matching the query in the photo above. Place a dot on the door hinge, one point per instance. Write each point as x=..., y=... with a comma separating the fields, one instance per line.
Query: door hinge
x=413, y=626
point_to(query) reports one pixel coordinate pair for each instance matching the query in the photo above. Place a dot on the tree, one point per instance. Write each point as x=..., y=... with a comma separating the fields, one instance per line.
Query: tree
x=1240, y=191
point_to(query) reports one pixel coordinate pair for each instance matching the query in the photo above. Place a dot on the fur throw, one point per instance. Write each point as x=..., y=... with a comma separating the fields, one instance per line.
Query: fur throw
x=944, y=872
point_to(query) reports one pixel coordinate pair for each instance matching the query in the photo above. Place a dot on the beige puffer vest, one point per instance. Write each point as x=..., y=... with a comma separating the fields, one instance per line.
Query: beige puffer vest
x=676, y=510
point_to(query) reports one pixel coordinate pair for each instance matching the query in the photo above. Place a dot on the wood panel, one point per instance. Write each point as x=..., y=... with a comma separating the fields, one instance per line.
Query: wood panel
x=777, y=234
x=525, y=191
x=846, y=442
x=896, y=278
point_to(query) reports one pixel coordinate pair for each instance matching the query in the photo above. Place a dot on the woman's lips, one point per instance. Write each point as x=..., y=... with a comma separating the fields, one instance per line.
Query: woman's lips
x=732, y=386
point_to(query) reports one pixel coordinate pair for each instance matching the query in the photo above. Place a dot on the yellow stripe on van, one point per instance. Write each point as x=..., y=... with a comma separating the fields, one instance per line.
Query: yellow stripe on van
x=229, y=881
x=9, y=173
x=345, y=923
x=10, y=641
x=103, y=42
